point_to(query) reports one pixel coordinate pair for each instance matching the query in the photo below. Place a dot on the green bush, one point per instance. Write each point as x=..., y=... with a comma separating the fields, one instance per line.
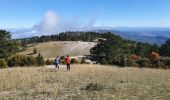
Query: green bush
x=34, y=51
x=165, y=60
x=159, y=64
x=31, y=61
x=3, y=63
x=74, y=61
x=40, y=60
x=144, y=62
x=83, y=61
x=124, y=61
x=104, y=61
x=22, y=60
x=62, y=58
x=120, y=60
x=49, y=62
x=131, y=62
x=63, y=62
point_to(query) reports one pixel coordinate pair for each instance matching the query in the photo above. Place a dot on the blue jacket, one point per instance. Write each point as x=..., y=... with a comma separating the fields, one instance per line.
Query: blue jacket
x=57, y=61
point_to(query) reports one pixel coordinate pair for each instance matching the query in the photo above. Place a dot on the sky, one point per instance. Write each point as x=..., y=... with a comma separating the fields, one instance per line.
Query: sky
x=60, y=15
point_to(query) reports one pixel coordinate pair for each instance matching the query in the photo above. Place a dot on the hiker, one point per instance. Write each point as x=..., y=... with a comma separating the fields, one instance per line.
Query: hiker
x=67, y=59
x=57, y=62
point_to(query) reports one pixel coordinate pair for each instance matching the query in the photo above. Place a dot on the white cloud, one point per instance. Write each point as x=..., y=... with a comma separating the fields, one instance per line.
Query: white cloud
x=52, y=23
x=49, y=23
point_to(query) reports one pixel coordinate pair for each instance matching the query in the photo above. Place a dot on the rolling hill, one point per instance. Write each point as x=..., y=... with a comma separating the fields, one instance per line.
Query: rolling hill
x=60, y=48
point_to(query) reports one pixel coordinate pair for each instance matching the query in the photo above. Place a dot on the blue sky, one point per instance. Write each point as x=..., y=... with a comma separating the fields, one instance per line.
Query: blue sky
x=108, y=13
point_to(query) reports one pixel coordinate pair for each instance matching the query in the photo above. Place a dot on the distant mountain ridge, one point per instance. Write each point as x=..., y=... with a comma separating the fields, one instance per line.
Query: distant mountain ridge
x=143, y=34
x=149, y=35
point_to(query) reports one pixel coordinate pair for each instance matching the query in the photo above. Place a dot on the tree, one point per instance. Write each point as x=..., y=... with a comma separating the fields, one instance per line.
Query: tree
x=7, y=45
x=103, y=61
x=3, y=63
x=4, y=35
x=155, y=48
x=154, y=56
x=35, y=51
x=111, y=49
x=165, y=49
x=142, y=49
x=40, y=60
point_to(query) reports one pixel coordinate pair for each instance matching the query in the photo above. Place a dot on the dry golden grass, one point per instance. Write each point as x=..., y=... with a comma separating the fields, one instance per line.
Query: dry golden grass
x=35, y=83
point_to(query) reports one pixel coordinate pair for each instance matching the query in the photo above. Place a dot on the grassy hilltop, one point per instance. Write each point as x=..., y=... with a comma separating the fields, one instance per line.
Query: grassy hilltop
x=113, y=83
x=52, y=49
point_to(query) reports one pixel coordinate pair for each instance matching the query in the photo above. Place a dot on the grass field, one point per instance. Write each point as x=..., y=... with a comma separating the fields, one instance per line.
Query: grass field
x=41, y=83
x=59, y=48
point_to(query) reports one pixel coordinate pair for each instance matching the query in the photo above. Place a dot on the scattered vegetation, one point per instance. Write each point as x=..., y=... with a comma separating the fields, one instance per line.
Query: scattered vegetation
x=62, y=60
x=40, y=60
x=21, y=60
x=24, y=60
x=49, y=62
x=83, y=61
x=74, y=61
x=3, y=63
x=34, y=51
x=165, y=48
x=93, y=87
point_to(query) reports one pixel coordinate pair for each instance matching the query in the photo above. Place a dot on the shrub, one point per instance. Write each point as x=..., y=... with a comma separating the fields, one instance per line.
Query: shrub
x=124, y=61
x=62, y=58
x=21, y=60
x=159, y=64
x=63, y=62
x=165, y=61
x=121, y=60
x=104, y=61
x=40, y=60
x=93, y=87
x=135, y=57
x=154, y=56
x=74, y=61
x=31, y=61
x=3, y=63
x=34, y=51
x=49, y=62
x=131, y=62
x=144, y=62
x=83, y=61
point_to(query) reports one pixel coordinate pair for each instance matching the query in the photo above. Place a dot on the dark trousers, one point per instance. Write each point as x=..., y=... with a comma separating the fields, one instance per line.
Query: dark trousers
x=68, y=67
x=57, y=66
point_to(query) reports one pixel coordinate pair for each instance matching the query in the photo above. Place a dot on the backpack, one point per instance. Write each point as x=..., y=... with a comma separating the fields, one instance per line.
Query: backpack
x=57, y=61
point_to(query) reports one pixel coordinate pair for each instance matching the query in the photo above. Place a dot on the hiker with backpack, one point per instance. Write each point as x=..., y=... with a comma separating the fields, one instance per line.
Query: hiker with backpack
x=68, y=61
x=57, y=62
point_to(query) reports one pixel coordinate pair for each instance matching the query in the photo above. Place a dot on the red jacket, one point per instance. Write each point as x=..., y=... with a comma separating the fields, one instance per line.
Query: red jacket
x=68, y=60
